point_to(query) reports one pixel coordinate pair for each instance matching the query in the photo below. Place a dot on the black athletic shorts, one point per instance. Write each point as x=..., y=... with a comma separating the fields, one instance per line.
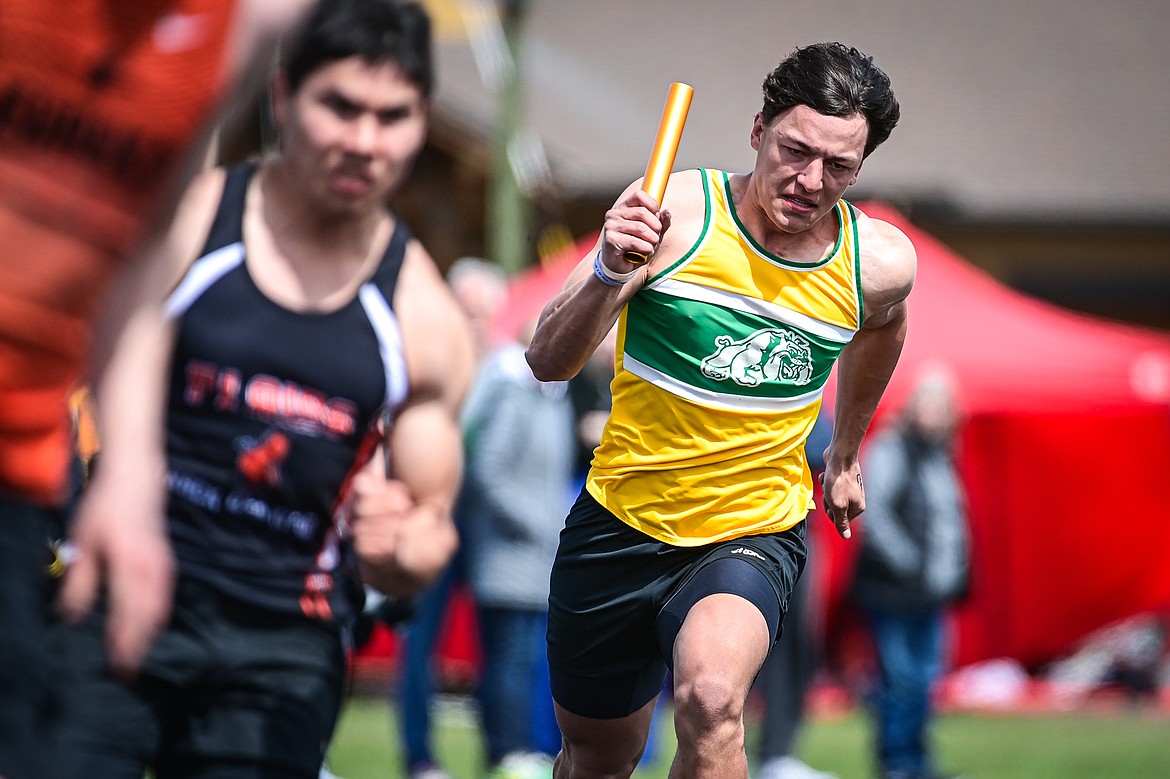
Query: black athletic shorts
x=618, y=598
x=227, y=691
x=28, y=695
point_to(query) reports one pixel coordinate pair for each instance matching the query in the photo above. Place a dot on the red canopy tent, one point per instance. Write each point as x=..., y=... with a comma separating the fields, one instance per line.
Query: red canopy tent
x=1065, y=453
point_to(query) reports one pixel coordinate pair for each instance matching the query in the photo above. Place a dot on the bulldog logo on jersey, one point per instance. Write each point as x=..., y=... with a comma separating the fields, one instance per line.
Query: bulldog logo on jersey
x=260, y=459
x=769, y=355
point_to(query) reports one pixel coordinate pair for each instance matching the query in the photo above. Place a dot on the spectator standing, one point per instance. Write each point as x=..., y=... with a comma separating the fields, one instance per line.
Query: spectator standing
x=520, y=460
x=912, y=565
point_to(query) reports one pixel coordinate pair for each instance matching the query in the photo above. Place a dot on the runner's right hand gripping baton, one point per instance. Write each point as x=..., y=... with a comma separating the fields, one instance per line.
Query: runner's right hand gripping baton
x=670, y=128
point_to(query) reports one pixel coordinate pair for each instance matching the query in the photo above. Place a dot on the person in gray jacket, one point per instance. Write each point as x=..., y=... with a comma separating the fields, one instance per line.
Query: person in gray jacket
x=519, y=435
x=913, y=563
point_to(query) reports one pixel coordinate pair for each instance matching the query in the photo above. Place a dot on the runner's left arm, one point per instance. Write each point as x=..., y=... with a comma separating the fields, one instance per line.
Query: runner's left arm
x=866, y=365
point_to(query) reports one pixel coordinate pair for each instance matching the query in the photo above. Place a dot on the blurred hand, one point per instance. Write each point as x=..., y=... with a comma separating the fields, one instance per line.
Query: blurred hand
x=377, y=513
x=119, y=538
x=401, y=543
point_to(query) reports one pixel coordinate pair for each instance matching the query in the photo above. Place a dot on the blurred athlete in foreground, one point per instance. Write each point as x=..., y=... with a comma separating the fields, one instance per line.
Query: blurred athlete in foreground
x=105, y=110
x=316, y=346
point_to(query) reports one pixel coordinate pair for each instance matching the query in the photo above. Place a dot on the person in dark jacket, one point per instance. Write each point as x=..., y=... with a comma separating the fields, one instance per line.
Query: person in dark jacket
x=913, y=563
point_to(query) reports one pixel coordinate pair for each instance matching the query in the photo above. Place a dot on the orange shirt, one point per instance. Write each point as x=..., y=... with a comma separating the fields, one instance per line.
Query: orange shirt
x=99, y=103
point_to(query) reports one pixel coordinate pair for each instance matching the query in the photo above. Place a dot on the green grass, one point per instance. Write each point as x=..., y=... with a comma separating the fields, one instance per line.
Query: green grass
x=1122, y=745
x=1024, y=746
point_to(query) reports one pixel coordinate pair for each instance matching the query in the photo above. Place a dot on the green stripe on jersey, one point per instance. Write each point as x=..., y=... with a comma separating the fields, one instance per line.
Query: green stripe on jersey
x=724, y=351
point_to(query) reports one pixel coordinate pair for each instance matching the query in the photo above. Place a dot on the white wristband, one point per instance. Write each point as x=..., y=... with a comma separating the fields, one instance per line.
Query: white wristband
x=607, y=276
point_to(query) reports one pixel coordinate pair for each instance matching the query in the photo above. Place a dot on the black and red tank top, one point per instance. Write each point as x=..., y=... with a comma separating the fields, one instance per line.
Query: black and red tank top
x=270, y=412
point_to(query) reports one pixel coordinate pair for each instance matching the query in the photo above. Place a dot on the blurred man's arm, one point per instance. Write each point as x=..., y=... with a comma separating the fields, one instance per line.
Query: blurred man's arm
x=119, y=534
x=403, y=531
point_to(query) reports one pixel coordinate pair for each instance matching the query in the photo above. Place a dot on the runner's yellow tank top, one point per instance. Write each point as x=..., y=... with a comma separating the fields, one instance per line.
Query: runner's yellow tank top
x=722, y=359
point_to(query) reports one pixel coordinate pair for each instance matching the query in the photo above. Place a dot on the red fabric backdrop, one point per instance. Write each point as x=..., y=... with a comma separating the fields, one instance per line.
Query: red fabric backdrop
x=1065, y=454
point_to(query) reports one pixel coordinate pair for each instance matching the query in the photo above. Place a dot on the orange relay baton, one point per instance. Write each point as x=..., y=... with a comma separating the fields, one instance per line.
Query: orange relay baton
x=670, y=128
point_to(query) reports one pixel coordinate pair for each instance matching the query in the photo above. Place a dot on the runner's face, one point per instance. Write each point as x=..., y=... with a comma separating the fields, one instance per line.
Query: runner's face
x=353, y=130
x=804, y=163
